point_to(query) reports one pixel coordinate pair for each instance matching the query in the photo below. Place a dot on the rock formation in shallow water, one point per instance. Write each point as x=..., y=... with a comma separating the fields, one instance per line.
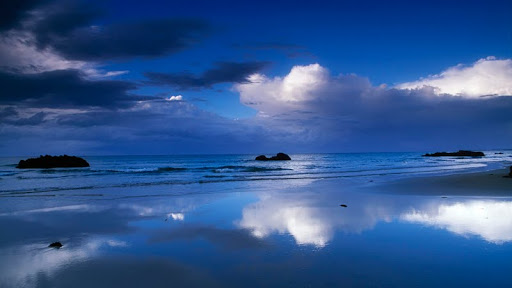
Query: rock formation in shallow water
x=53, y=162
x=278, y=157
x=458, y=153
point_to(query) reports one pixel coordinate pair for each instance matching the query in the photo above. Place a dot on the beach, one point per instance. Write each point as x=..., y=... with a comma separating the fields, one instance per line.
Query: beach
x=255, y=144
x=488, y=183
x=373, y=230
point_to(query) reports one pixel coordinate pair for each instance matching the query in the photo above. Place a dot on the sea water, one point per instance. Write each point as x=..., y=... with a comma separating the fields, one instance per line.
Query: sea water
x=230, y=221
x=129, y=171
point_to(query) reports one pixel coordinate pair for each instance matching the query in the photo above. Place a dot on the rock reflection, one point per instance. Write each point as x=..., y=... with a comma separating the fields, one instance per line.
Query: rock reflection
x=489, y=219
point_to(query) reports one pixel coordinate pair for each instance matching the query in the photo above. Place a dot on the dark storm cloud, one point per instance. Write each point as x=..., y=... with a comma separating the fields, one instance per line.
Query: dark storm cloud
x=144, y=38
x=35, y=119
x=223, y=72
x=12, y=11
x=60, y=19
x=74, y=29
x=9, y=115
x=62, y=88
x=8, y=112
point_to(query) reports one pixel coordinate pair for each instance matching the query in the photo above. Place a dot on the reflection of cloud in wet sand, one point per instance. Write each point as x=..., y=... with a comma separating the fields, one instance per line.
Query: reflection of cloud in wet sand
x=313, y=219
x=489, y=219
x=69, y=208
x=176, y=216
x=307, y=219
x=300, y=222
x=21, y=266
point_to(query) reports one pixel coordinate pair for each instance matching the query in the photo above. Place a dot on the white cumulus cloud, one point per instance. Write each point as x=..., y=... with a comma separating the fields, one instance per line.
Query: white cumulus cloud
x=310, y=105
x=175, y=98
x=488, y=76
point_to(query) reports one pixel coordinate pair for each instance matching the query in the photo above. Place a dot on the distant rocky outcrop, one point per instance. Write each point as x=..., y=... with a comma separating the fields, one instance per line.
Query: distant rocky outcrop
x=464, y=153
x=278, y=157
x=53, y=162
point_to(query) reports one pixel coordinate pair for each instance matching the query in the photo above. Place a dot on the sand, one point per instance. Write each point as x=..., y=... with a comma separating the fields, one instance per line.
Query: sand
x=488, y=183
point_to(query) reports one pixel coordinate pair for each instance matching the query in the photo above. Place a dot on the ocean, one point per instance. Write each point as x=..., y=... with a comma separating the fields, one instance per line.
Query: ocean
x=319, y=220
x=132, y=171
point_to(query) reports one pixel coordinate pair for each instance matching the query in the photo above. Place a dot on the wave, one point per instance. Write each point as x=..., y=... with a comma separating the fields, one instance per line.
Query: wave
x=231, y=168
x=170, y=169
x=236, y=178
x=159, y=170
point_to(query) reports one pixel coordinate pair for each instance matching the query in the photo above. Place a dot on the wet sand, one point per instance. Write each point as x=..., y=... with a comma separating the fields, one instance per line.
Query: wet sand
x=268, y=234
x=488, y=183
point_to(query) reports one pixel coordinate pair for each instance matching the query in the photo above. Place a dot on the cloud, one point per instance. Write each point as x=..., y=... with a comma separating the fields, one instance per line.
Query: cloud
x=19, y=54
x=156, y=126
x=223, y=72
x=12, y=12
x=62, y=88
x=144, y=38
x=306, y=110
x=35, y=119
x=489, y=219
x=8, y=112
x=175, y=98
x=51, y=35
x=310, y=107
x=488, y=76
x=9, y=115
x=59, y=19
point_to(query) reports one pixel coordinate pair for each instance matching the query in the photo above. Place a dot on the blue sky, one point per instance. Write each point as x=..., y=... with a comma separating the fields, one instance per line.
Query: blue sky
x=96, y=77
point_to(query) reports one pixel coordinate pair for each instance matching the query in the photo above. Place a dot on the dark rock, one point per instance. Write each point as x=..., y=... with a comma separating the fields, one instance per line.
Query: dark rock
x=498, y=153
x=278, y=157
x=464, y=153
x=262, y=158
x=343, y=205
x=53, y=162
x=55, y=245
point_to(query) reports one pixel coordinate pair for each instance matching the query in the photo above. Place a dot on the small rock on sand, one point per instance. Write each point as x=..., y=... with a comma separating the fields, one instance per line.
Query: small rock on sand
x=55, y=245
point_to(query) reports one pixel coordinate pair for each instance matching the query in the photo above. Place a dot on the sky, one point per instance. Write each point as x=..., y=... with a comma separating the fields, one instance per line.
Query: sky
x=199, y=77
